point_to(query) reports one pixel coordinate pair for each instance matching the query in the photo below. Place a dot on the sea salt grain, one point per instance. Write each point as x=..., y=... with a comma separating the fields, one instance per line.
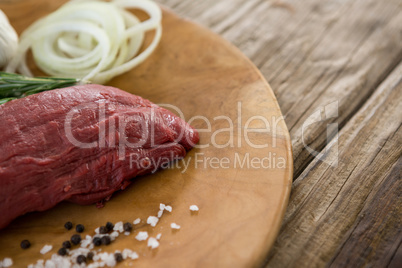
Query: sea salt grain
x=153, y=243
x=194, y=208
x=7, y=262
x=152, y=220
x=50, y=264
x=118, y=227
x=158, y=236
x=168, y=208
x=162, y=206
x=46, y=249
x=133, y=256
x=141, y=236
x=137, y=221
x=114, y=234
x=174, y=226
x=160, y=212
x=110, y=260
x=59, y=261
x=86, y=242
x=103, y=256
x=107, y=259
x=126, y=252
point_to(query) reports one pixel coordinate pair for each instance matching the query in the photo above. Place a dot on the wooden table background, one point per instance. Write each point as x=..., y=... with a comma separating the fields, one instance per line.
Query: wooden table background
x=337, y=64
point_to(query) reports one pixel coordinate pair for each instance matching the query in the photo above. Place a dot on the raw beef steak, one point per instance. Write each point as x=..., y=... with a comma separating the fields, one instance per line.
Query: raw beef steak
x=81, y=144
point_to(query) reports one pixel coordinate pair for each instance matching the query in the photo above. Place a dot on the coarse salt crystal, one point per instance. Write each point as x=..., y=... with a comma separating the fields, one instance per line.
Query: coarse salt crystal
x=158, y=236
x=46, y=249
x=7, y=262
x=85, y=243
x=118, y=227
x=126, y=233
x=97, y=230
x=194, y=208
x=162, y=206
x=152, y=220
x=137, y=221
x=50, y=264
x=160, y=212
x=174, y=226
x=133, y=255
x=114, y=234
x=103, y=256
x=110, y=260
x=168, y=208
x=153, y=243
x=126, y=252
x=61, y=261
x=141, y=236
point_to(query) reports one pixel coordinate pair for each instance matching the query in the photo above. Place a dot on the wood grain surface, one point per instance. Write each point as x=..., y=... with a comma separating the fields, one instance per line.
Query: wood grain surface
x=241, y=208
x=362, y=190
x=315, y=53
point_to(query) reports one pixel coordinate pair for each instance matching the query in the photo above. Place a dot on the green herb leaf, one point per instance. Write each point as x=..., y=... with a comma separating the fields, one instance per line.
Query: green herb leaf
x=2, y=101
x=15, y=86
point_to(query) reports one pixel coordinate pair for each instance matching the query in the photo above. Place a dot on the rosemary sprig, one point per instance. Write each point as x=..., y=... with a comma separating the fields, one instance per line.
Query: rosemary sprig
x=15, y=86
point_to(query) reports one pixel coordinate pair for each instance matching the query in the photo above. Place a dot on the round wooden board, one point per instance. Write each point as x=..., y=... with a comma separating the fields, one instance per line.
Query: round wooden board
x=241, y=190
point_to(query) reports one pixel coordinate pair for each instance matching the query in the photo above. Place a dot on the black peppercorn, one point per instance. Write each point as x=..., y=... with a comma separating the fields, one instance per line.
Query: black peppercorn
x=106, y=240
x=75, y=239
x=66, y=244
x=62, y=251
x=25, y=244
x=103, y=230
x=118, y=257
x=79, y=228
x=97, y=241
x=81, y=259
x=109, y=226
x=68, y=225
x=128, y=227
x=90, y=256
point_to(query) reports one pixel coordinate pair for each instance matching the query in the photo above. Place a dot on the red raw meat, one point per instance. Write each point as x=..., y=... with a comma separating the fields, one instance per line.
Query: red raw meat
x=43, y=159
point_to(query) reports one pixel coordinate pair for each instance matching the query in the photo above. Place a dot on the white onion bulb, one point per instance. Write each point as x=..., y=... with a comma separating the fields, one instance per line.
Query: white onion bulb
x=8, y=40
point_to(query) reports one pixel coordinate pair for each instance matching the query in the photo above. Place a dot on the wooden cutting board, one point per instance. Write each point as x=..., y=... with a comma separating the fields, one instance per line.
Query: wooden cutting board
x=241, y=184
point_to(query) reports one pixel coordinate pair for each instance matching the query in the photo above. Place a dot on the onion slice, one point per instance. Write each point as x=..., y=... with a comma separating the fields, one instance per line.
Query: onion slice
x=90, y=40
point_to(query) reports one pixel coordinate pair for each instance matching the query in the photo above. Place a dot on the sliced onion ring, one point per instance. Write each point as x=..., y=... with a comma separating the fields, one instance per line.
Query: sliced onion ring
x=91, y=40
